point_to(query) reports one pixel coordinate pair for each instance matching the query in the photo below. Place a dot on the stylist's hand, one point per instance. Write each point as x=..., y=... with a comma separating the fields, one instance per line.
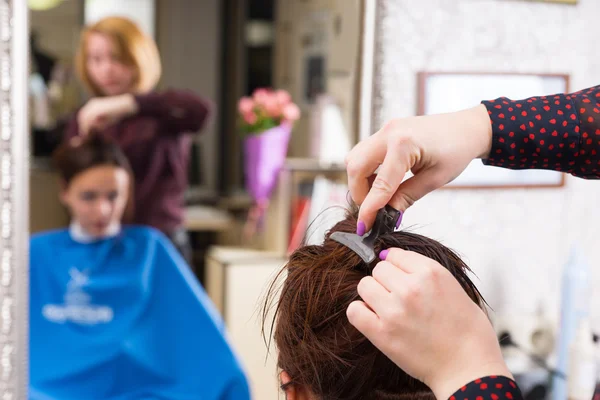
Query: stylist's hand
x=101, y=112
x=417, y=314
x=436, y=148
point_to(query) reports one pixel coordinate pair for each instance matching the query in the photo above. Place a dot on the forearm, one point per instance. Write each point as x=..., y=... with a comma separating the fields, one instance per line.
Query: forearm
x=558, y=132
x=179, y=110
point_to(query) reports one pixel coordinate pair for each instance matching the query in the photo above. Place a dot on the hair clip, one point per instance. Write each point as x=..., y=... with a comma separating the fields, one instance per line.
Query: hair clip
x=388, y=219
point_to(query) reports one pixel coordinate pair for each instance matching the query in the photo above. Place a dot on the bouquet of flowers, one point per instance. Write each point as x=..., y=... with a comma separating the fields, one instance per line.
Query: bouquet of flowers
x=267, y=118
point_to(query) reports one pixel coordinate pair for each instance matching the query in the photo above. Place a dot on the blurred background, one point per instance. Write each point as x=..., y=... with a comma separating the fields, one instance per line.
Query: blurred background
x=349, y=65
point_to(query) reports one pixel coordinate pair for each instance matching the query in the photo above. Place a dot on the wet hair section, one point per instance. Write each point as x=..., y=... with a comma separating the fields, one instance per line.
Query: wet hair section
x=82, y=153
x=305, y=311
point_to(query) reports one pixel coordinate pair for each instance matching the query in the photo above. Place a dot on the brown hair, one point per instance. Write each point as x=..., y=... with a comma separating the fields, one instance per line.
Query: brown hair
x=133, y=48
x=319, y=349
x=79, y=154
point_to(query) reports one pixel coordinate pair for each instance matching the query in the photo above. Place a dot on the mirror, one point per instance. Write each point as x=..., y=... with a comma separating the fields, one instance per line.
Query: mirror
x=14, y=239
x=55, y=94
x=40, y=78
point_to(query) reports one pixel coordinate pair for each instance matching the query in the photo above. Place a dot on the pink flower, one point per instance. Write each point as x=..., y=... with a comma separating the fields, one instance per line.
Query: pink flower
x=260, y=96
x=272, y=107
x=250, y=118
x=291, y=112
x=245, y=105
x=282, y=97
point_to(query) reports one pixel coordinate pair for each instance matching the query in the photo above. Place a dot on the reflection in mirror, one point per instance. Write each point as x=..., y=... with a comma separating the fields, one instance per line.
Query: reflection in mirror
x=117, y=309
x=185, y=170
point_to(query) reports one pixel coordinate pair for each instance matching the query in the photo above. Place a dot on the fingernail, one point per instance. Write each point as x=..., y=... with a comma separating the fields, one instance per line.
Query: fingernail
x=360, y=228
x=383, y=254
x=399, y=220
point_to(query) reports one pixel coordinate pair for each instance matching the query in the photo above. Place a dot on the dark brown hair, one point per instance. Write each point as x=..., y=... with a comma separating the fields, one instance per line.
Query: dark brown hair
x=80, y=154
x=320, y=350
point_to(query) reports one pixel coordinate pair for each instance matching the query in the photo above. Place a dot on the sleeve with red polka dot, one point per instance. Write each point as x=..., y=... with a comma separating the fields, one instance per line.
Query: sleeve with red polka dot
x=557, y=132
x=489, y=388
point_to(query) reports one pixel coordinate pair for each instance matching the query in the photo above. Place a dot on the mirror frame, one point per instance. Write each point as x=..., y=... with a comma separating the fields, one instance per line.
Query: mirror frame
x=14, y=199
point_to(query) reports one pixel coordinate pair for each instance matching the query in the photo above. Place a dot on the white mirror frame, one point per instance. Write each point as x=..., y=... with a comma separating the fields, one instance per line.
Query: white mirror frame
x=14, y=199
x=368, y=56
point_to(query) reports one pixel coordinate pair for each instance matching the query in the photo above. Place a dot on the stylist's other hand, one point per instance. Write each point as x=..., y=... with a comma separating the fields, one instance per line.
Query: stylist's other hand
x=101, y=112
x=418, y=315
x=436, y=148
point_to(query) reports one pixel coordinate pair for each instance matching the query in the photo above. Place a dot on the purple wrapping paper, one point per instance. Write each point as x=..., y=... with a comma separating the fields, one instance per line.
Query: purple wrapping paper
x=265, y=154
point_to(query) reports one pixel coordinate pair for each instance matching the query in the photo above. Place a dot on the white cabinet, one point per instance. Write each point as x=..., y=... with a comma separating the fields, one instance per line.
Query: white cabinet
x=236, y=281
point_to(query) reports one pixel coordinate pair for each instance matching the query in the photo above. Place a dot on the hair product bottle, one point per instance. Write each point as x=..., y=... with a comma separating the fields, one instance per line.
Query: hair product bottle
x=575, y=307
x=582, y=363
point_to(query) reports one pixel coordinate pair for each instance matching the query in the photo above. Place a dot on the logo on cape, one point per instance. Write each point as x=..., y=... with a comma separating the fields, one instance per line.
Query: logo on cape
x=77, y=306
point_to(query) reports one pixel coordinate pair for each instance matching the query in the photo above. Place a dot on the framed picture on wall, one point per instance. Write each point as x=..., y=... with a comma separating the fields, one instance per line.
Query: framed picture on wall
x=442, y=92
x=555, y=1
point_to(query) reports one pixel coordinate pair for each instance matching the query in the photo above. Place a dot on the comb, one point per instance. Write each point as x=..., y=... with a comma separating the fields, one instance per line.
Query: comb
x=387, y=219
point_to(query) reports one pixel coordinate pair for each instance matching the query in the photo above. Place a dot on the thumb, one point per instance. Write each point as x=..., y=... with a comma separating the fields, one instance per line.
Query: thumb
x=384, y=186
x=415, y=188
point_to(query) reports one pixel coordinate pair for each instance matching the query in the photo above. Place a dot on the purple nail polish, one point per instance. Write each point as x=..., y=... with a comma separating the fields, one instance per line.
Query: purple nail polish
x=399, y=220
x=383, y=254
x=360, y=228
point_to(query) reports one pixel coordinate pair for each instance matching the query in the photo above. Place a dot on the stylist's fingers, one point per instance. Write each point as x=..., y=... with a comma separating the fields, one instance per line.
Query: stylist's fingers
x=416, y=187
x=391, y=173
x=388, y=275
x=363, y=319
x=373, y=293
x=361, y=163
x=407, y=261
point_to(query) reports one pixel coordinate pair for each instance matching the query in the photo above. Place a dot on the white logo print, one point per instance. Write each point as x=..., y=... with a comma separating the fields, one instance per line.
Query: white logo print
x=78, y=279
x=77, y=305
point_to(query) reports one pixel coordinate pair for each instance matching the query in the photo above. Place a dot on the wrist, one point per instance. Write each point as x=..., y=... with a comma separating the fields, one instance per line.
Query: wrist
x=128, y=104
x=444, y=386
x=482, y=130
x=476, y=355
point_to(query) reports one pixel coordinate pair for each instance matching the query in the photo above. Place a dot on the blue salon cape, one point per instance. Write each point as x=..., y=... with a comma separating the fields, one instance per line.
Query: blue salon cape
x=124, y=318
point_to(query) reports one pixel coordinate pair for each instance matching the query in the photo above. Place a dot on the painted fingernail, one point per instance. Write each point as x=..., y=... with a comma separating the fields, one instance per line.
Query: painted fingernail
x=360, y=228
x=399, y=220
x=383, y=254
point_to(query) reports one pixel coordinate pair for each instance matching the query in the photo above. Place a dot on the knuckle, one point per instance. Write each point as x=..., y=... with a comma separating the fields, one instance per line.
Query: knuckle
x=408, y=199
x=432, y=270
x=391, y=126
x=400, y=139
x=354, y=167
x=348, y=159
x=412, y=292
x=393, y=316
x=382, y=185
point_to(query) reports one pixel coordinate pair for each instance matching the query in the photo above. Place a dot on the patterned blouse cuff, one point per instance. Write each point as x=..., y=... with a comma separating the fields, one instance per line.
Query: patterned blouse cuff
x=489, y=387
x=534, y=133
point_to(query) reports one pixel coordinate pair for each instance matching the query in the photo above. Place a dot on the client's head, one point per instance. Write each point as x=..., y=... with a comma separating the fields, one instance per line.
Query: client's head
x=321, y=355
x=96, y=182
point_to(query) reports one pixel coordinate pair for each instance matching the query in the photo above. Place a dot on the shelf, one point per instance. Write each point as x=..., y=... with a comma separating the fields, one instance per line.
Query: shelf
x=312, y=165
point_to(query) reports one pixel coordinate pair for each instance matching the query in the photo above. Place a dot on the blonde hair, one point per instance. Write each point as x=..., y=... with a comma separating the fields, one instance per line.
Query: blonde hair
x=133, y=48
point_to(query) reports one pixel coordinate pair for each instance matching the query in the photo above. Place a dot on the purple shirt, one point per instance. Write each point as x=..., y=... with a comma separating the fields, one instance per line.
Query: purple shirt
x=157, y=143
